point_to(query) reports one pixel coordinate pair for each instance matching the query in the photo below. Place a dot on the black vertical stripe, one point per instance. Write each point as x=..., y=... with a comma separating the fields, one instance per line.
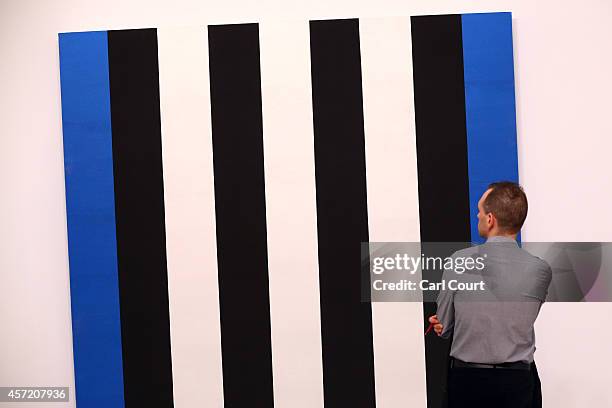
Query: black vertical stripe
x=237, y=133
x=442, y=159
x=139, y=212
x=342, y=219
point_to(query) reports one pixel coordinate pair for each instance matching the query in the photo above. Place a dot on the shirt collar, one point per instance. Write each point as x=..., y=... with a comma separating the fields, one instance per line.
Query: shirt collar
x=498, y=238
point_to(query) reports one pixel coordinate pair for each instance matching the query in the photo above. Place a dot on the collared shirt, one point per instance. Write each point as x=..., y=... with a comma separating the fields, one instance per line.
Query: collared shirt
x=494, y=325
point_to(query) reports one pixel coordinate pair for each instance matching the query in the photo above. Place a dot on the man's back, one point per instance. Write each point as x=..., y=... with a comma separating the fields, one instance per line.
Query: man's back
x=495, y=325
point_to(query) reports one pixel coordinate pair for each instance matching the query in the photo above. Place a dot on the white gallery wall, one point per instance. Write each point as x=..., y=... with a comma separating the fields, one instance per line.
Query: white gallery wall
x=563, y=62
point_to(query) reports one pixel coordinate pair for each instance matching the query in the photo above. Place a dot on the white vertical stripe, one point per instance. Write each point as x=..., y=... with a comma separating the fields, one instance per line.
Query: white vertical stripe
x=393, y=212
x=190, y=217
x=291, y=214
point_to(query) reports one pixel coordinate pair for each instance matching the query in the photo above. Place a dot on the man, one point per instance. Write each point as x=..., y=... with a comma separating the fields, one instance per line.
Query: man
x=493, y=336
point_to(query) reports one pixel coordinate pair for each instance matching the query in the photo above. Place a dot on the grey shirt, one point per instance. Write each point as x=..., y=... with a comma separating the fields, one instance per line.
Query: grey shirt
x=495, y=325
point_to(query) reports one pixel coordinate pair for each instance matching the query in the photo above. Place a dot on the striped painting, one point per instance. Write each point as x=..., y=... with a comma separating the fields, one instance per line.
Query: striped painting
x=220, y=180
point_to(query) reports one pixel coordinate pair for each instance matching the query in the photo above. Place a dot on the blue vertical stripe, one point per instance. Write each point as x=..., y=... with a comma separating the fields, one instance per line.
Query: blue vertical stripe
x=489, y=101
x=90, y=206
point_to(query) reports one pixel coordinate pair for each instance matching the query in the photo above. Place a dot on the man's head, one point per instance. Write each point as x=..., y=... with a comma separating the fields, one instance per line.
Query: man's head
x=502, y=209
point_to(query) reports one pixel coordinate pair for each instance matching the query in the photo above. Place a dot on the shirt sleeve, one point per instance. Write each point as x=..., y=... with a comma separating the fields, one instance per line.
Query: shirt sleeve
x=546, y=279
x=446, y=306
x=539, y=285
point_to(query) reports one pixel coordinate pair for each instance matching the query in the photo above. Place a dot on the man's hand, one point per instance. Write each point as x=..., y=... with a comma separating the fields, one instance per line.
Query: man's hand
x=437, y=325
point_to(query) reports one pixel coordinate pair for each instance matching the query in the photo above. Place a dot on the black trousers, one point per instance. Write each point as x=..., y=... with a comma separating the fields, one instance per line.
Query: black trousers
x=494, y=388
